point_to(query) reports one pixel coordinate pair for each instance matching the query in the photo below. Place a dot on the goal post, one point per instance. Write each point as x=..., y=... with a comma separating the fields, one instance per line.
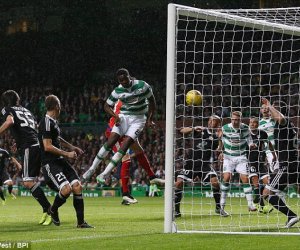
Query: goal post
x=170, y=119
x=233, y=57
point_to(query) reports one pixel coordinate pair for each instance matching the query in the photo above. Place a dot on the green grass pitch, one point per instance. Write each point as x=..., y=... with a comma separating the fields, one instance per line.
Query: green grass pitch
x=138, y=226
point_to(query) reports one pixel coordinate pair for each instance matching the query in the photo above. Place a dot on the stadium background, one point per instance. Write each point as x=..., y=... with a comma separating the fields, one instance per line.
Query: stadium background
x=73, y=48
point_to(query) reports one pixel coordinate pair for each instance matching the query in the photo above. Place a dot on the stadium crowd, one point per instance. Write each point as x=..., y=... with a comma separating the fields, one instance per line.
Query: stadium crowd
x=151, y=140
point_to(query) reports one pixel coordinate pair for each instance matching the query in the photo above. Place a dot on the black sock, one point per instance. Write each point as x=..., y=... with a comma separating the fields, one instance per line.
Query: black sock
x=256, y=195
x=58, y=202
x=38, y=193
x=79, y=207
x=10, y=188
x=217, y=196
x=278, y=203
x=178, y=197
x=261, y=200
x=2, y=195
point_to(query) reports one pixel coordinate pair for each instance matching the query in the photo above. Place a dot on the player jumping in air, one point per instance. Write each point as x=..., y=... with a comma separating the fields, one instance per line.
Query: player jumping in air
x=137, y=100
x=141, y=157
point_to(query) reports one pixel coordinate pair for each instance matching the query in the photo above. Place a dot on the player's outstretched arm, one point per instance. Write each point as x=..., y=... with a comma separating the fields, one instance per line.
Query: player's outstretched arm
x=8, y=123
x=186, y=130
x=276, y=115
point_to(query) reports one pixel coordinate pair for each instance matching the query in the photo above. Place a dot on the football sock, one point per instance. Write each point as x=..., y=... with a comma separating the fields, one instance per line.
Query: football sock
x=248, y=193
x=217, y=196
x=256, y=195
x=10, y=188
x=178, y=197
x=224, y=191
x=79, y=208
x=125, y=176
x=58, y=201
x=38, y=193
x=144, y=162
x=278, y=203
x=103, y=152
x=113, y=162
x=2, y=195
x=261, y=200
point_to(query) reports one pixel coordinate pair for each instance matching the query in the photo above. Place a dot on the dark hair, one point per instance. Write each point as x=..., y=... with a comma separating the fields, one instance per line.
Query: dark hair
x=122, y=71
x=281, y=106
x=254, y=118
x=51, y=102
x=10, y=98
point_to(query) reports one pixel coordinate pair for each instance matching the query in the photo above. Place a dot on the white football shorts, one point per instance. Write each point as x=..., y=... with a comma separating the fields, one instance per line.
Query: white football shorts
x=130, y=125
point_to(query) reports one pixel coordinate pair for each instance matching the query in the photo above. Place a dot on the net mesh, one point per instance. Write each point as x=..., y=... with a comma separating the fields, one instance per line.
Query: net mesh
x=233, y=64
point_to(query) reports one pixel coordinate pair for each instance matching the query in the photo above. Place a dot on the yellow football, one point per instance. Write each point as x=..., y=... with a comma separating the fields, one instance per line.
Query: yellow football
x=193, y=97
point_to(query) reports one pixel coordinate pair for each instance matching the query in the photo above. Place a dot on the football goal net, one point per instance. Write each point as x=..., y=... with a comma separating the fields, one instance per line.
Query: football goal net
x=234, y=58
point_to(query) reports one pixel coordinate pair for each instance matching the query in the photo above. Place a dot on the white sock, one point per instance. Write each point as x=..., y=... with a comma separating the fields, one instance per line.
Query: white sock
x=103, y=152
x=113, y=163
x=224, y=192
x=249, y=196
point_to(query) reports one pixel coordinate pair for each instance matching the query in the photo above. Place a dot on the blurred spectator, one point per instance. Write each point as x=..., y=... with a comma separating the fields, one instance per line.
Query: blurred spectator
x=92, y=185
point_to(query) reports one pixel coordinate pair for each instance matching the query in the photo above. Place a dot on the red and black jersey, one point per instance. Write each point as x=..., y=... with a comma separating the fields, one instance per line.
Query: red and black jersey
x=24, y=129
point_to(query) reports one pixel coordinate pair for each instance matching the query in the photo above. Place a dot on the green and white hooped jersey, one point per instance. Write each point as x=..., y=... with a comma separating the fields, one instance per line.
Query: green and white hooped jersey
x=134, y=99
x=235, y=141
x=267, y=125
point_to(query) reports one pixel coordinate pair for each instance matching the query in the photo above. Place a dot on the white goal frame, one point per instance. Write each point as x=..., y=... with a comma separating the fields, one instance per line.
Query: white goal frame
x=214, y=15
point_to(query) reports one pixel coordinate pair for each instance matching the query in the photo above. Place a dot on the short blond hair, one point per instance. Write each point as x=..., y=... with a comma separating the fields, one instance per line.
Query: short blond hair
x=237, y=113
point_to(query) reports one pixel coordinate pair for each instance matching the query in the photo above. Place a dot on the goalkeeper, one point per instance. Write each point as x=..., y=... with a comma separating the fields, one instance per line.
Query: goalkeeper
x=199, y=165
x=285, y=137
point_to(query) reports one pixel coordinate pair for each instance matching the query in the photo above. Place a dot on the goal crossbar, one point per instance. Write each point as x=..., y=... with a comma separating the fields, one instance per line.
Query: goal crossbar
x=213, y=15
